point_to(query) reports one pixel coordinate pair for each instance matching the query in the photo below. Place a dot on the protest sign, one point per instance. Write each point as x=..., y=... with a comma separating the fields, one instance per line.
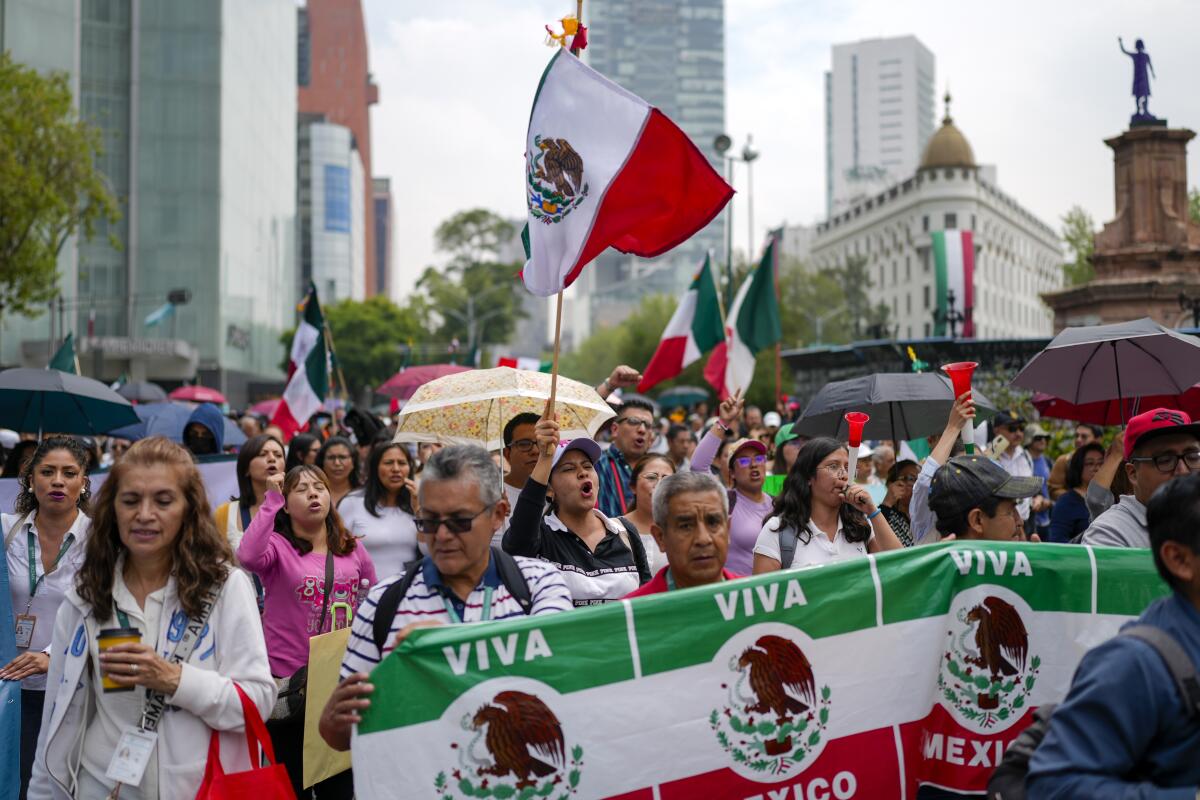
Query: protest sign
x=860, y=679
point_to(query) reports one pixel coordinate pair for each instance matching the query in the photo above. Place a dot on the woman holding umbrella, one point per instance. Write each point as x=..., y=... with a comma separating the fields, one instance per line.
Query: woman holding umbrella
x=44, y=542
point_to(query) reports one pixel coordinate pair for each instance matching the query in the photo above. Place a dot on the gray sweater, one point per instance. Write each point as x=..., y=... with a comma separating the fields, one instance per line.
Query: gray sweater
x=1123, y=525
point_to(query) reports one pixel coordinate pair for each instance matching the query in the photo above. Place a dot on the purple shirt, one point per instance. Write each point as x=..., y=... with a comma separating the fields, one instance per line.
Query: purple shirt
x=295, y=587
x=746, y=521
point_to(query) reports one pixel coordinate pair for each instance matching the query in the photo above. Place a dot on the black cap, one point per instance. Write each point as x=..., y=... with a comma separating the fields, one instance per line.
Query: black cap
x=1004, y=418
x=965, y=482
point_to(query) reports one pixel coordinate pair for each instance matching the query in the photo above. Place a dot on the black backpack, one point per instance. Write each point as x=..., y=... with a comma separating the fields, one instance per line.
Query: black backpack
x=1008, y=781
x=389, y=602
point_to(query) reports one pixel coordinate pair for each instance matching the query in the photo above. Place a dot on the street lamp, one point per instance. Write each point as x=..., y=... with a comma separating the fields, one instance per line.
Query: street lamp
x=722, y=144
x=1191, y=304
x=952, y=317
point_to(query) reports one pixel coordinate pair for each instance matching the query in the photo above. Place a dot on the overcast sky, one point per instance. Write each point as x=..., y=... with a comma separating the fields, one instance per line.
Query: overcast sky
x=1037, y=87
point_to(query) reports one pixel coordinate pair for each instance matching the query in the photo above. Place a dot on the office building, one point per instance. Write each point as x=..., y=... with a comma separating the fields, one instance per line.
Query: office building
x=329, y=210
x=381, y=197
x=879, y=113
x=196, y=106
x=1016, y=258
x=671, y=53
x=334, y=82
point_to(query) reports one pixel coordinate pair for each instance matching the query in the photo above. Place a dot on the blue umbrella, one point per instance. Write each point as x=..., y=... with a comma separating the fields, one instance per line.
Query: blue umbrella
x=37, y=400
x=169, y=419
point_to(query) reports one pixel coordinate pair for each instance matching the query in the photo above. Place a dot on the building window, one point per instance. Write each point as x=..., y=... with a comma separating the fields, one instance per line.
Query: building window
x=881, y=275
x=337, y=198
x=908, y=268
x=951, y=221
x=303, y=48
x=972, y=222
x=925, y=223
x=926, y=330
x=908, y=304
x=925, y=294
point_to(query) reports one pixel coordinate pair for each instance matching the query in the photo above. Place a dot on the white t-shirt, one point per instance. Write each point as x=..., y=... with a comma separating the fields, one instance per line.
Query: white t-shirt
x=819, y=549
x=51, y=590
x=390, y=538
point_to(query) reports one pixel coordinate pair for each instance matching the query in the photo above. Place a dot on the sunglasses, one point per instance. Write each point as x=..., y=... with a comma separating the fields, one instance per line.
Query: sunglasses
x=745, y=461
x=456, y=525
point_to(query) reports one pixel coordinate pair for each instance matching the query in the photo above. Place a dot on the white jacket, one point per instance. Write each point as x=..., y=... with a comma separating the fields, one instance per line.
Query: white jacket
x=230, y=649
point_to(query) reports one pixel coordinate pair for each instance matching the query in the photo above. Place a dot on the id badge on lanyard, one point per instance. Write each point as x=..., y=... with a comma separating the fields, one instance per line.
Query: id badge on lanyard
x=26, y=623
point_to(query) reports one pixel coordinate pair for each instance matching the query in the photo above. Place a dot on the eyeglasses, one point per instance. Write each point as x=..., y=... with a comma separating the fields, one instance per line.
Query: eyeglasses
x=524, y=445
x=906, y=479
x=1097, y=464
x=836, y=469
x=746, y=461
x=645, y=424
x=1167, y=462
x=457, y=525
x=652, y=477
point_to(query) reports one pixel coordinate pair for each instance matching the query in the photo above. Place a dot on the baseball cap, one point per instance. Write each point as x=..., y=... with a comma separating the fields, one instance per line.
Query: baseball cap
x=1154, y=423
x=785, y=434
x=964, y=482
x=772, y=419
x=1036, y=431
x=585, y=445
x=743, y=444
x=1004, y=418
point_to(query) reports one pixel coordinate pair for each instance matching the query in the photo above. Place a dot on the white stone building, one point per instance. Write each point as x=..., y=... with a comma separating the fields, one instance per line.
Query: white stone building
x=1017, y=256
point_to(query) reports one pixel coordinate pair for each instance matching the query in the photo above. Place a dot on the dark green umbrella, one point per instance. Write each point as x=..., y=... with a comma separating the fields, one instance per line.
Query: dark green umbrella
x=37, y=400
x=902, y=406
x=686, y=396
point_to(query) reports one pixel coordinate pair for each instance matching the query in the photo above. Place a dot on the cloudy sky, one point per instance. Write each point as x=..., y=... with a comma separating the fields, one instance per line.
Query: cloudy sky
x=1037, y=86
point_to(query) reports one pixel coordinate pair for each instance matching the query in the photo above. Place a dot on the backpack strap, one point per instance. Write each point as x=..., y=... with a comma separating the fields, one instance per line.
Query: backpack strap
x=788, y=538
x=633, y=540
x=389, y=603
x=1179, y=664
x=513, y=579
x=16, y=526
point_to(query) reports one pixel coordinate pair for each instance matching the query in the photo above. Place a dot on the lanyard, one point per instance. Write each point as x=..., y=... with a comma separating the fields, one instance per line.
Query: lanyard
x=487, y=607
x=123, y=618
x=670, y=581
x=35, y=582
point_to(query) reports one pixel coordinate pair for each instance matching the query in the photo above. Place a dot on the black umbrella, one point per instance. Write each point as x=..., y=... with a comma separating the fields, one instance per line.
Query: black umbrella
x=902, y=406
x=143, y=392
x=1113, y=362
x=37, y=400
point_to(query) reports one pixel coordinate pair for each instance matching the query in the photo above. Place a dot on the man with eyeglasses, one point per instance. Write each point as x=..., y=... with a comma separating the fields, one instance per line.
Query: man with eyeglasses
x=1159, y=445
x=463, y=579
x=1015, y=460
x=632, y=435
x=521, y=453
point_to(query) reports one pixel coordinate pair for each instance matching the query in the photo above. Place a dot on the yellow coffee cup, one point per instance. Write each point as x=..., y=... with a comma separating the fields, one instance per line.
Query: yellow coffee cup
x=109, y=638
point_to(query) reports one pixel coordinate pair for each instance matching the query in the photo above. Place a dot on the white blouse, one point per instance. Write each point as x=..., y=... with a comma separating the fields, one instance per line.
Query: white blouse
x=390, y=538
x=819, y=550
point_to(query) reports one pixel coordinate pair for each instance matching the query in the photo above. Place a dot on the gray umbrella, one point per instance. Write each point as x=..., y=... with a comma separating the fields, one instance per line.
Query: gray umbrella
x=37, y=400
x=901, y=405
x=143, y=392
x=1112, y=362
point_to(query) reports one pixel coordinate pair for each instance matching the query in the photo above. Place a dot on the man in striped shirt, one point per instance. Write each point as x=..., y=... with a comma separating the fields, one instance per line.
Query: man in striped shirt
x=461, y=507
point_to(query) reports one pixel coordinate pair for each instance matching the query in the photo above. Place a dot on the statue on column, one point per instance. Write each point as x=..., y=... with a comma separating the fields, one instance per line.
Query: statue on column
x=1143, y=70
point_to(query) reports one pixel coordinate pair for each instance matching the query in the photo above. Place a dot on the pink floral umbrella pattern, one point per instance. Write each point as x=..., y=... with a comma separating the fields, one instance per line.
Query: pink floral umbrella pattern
x=473, y=407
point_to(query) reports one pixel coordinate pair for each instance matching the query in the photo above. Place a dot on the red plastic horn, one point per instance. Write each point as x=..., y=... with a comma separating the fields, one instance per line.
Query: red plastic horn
x=856, y=420
x=960, y=376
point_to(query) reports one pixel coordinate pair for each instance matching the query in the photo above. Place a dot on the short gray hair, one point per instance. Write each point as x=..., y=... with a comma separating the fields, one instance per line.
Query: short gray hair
x=465, y=462
x=680, y=483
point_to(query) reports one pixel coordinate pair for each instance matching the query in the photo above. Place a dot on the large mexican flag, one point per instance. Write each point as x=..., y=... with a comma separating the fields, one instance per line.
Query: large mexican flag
x=605, y=168
x=954, y=257
x=862, y=679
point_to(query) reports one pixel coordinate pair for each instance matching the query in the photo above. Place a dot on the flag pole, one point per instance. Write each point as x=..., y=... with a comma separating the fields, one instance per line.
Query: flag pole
x=557, y=342
x=778, y=304
x=341, y=376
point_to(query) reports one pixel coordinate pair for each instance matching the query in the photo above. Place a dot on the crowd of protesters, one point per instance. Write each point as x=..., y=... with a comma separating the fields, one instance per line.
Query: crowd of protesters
x=343, y=527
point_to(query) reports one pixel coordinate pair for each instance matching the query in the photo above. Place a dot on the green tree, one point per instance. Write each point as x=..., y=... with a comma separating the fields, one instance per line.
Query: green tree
x=854, y=281
x=473, y=236
x=49, y=185
x=1194, y=204
x=1078, y=232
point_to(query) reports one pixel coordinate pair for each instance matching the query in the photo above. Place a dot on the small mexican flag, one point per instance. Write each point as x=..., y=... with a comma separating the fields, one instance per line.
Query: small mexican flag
x=521, y=362
x=752, y=325
x=954, y=255
x=308, y=370
x=694, y=329
x=606, y=169
x=65, y=360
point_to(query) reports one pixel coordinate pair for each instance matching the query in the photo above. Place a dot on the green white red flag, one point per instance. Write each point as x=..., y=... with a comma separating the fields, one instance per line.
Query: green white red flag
x=308, y=370
x=954, y=256
x=752, y=325
x=763, y=693
x=694, y=329
x=606, y=169
x=523, y=362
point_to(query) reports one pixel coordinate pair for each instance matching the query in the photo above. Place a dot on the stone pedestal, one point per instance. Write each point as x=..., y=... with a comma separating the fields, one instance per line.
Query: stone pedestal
x=1150, y=252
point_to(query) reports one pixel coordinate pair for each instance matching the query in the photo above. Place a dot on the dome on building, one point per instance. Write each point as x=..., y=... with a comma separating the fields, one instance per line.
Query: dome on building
x=947, y=147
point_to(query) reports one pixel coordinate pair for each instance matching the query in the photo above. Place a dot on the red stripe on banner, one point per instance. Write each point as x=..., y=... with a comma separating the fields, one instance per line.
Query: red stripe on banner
x=666, y=363
x=968, y=256
x=941, y=752
x=666, y=192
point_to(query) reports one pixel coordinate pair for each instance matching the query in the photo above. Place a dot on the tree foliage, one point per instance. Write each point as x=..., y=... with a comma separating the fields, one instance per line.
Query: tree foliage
x=49, y=185
x=1194, y=204
x=1078, y=231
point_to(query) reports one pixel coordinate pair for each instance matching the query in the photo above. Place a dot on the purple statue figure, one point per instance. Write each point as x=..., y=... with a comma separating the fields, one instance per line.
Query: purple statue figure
x=1142, y=71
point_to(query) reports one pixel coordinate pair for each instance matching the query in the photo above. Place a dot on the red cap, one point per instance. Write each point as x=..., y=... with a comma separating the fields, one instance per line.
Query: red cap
x=1157, y=422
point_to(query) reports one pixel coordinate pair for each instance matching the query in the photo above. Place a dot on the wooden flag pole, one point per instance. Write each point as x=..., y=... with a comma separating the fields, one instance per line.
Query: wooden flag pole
x=778, y=344
x=557, y=343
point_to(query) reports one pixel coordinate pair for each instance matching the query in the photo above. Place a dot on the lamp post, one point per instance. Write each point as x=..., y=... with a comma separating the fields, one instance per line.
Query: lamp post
x=1191, y=304
x=722, y=144
x=952, y=317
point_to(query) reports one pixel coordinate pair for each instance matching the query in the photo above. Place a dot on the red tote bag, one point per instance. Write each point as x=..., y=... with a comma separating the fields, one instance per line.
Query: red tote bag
x=268, y=782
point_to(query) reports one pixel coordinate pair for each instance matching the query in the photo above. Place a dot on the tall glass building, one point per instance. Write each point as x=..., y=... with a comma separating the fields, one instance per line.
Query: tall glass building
x=671, y=53
x=197, y=105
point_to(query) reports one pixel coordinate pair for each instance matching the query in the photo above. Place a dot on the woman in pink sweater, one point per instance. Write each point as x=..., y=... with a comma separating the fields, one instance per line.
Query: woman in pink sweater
x=293, y=542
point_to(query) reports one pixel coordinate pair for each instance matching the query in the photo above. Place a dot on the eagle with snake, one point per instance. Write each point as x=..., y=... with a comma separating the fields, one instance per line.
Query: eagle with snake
x=781, y=677
x=1000, y=638
x=524, y=737
x=560, y=166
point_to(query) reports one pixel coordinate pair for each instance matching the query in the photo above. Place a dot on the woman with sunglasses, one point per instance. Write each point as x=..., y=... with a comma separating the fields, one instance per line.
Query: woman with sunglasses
x=900, y=480
x=822, y=512
x=647, y=472
x=747, y=470
x=598, y=557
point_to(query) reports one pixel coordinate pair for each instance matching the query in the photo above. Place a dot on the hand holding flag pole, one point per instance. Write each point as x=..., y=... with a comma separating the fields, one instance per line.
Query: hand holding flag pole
x=960, y=374
x=856, y=420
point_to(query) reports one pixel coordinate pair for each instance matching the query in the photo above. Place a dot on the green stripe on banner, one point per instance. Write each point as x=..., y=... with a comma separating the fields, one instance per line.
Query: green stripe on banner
x=938, y=242
x=1123, y=585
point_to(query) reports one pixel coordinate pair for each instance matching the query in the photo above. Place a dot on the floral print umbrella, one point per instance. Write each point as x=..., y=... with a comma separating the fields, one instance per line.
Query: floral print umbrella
x=473, y=407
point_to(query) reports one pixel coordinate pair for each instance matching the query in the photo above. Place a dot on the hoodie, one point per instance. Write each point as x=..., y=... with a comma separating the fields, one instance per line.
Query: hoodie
x=210, y=417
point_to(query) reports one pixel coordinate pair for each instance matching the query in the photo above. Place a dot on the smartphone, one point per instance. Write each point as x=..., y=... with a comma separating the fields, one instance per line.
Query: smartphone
x=999, y=445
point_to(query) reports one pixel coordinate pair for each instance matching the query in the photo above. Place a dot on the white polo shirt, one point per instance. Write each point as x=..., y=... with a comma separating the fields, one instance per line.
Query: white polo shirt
x=818, y=550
